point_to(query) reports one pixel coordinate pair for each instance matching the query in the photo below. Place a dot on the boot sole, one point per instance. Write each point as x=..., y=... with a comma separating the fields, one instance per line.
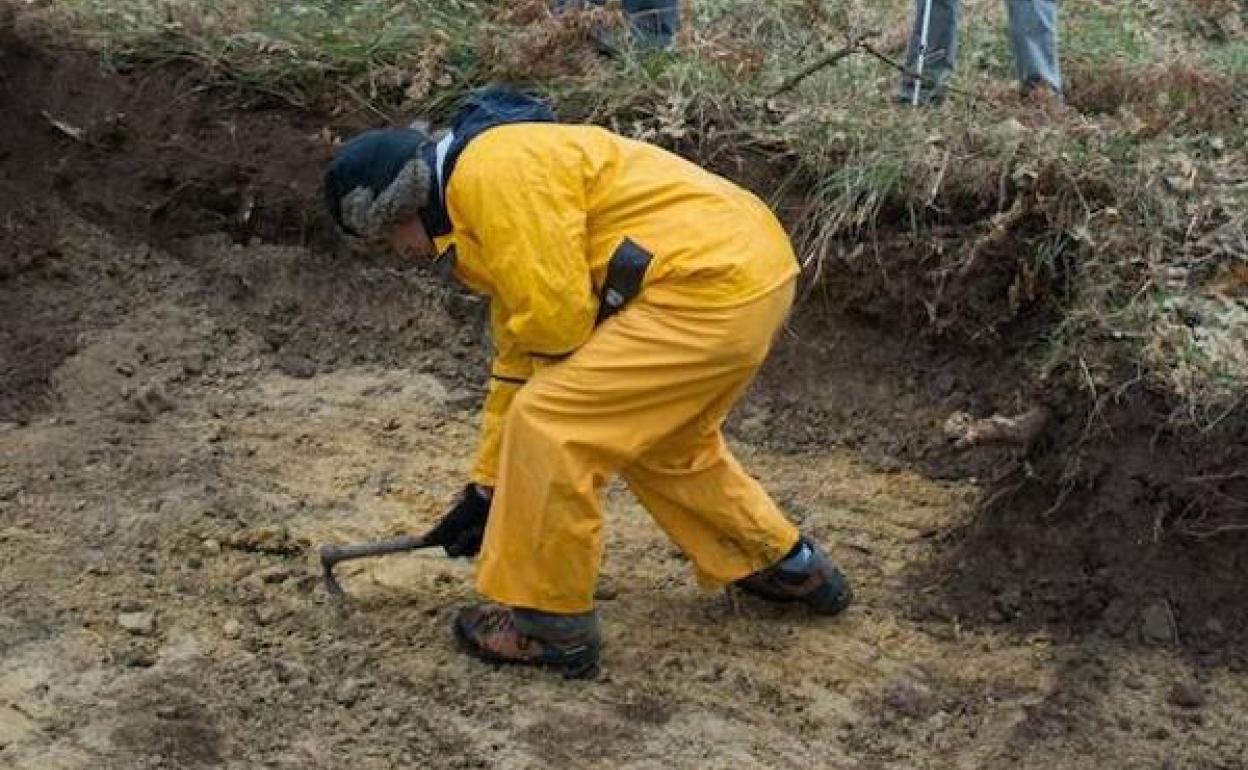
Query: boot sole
x=581, y=665
x=835, y=607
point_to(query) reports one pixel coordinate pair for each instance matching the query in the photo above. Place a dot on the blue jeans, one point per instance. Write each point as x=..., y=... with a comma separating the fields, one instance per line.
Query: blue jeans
x=654, y=22
x=1033, y=40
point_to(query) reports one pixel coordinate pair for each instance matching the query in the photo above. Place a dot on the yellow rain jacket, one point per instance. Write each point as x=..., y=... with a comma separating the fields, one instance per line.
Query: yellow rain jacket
x=538, y=211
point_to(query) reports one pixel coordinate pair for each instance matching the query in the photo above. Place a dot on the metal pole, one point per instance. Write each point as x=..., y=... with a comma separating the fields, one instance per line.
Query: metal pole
x=922, y=57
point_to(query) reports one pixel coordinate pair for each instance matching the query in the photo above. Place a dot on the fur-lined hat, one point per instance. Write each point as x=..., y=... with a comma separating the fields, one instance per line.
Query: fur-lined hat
x=379, y=180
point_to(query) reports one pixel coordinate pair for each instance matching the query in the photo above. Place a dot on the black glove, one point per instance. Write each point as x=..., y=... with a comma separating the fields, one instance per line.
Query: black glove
x=461, y=530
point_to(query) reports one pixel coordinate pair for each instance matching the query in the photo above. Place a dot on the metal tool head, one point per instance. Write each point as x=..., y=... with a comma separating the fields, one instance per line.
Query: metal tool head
x=329, y=557
x=332, y=554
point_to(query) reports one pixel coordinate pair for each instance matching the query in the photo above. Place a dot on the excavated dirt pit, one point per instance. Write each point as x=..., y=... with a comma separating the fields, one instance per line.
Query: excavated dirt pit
x=195, y=389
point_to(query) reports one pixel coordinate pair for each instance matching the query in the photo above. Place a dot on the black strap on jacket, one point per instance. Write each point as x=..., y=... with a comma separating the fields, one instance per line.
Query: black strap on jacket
x=625, y=273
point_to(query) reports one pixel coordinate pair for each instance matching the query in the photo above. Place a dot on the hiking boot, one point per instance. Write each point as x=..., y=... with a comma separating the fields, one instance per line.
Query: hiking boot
x=568, y=643
x=805, y=575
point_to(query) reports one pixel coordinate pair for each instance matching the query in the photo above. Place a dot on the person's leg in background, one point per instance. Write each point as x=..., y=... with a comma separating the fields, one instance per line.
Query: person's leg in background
x=1033, y=40
x=653, y=23
x=942, y=51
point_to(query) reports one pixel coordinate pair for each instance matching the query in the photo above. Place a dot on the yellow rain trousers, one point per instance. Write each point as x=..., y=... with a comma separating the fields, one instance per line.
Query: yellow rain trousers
x=538, y=210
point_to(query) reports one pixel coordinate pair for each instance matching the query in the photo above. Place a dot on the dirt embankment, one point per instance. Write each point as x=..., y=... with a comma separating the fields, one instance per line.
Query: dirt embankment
x=194, y=387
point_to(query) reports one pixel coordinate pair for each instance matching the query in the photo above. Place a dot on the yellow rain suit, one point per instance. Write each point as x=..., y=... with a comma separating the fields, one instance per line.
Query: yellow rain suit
x=538, y=211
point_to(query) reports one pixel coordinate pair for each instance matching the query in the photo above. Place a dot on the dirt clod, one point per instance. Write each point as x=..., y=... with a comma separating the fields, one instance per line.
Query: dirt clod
x=909, y=698
x=1187, y=694
x=274, y=574
x=268, y=614
x=299, y=367
x=138, y=623
x=1157, y=623
x=350, y=691
x=271, y=540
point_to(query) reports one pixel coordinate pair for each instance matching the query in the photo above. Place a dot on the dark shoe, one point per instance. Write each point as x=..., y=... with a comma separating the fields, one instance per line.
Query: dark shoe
x=819, y=584
x=493, y=632
x=1040, y=94
x=931, y=94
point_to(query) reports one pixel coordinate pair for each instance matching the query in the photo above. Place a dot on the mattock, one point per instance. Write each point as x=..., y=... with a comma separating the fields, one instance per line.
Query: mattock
x=331, y=555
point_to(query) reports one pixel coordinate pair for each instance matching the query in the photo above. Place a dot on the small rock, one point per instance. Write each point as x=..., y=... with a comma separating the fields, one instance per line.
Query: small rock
x=1215, y=627
x=957, y=425
x=136, y=658
x=211, y=547
x=151, y=401
x=299, y=367
x=1157, y=623
x=461, y=399
x=138, y=623
x=1158, y=734
x=349, y=692
x=232, y=629
x=267, y=614
x=392, y=424
x=392, y=717
x=1180, y=184
x=910, y=698
x=1187, y=694
x=125, y=370
x=287, y=671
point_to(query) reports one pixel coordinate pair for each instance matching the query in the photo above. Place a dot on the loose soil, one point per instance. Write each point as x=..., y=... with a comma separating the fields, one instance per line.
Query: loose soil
x=195, y=388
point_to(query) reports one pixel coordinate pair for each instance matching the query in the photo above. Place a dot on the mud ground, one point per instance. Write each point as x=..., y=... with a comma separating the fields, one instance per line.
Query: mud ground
x=195, y=389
